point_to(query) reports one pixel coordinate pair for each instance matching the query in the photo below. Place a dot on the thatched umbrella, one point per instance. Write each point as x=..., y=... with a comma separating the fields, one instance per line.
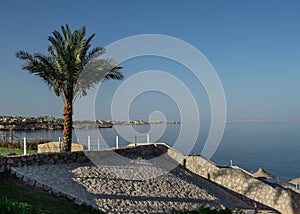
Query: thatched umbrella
x=295, y=181
x=261, y=173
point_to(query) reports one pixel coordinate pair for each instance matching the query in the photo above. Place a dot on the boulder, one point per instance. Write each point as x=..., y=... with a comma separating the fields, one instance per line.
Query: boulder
x=55, y=147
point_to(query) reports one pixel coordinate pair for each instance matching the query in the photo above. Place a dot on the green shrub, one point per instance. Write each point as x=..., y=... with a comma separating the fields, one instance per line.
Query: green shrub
x=8, y=206
x=31, y=144
x=9, y=145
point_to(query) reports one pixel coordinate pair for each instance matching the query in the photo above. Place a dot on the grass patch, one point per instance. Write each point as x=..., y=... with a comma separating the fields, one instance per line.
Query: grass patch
x=36, y=201
x=9, y=151
x=9, y=206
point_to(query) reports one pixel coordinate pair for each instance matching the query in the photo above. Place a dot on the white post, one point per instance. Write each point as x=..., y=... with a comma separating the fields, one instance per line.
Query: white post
x=24, y=146
x=59, y=143
x=231, y=163
x=77, y=140
x=148, y=139
x=117, y=142
x=89, y=143
x=98, y=144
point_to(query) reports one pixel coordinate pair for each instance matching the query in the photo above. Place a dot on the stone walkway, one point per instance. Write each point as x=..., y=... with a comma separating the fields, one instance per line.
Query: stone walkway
x=127, y=188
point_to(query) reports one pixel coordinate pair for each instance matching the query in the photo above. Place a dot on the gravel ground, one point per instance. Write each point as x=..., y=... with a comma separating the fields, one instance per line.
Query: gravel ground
x=137, y=186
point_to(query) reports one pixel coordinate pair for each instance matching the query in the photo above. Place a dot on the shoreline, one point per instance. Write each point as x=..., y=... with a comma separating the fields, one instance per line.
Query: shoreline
x=48, y=123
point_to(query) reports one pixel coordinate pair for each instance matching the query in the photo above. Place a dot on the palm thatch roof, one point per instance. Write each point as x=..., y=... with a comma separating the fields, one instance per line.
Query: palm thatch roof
x=295, y=181
x=261, y=173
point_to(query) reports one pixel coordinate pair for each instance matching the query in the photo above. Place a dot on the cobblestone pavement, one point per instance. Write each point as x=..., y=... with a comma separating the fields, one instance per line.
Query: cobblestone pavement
x=123, y=188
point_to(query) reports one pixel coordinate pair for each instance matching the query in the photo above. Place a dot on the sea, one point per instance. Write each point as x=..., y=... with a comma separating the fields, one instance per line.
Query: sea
x=274, y=146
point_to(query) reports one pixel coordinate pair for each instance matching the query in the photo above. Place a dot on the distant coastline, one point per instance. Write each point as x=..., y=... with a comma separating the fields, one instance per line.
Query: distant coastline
x=18, y=123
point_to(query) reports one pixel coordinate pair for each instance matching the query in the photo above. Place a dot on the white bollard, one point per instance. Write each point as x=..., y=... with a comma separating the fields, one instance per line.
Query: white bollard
x=24, y=146
x=98, y=144
x=231, y=164
x=89, y=143
x=148, y=139
x=59, y=143
x=117, y=142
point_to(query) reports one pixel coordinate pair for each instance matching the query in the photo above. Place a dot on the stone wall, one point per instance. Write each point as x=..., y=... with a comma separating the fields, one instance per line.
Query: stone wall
x=146, y=150
x=175, y=155
x=41, y=159
x=242, y=182
x=153, y=149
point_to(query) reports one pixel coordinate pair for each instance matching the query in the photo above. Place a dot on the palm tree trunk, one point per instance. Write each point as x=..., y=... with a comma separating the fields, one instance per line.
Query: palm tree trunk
x=68, y=123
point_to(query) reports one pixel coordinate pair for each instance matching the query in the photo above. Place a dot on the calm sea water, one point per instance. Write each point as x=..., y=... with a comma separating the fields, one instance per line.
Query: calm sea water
x=273, y=146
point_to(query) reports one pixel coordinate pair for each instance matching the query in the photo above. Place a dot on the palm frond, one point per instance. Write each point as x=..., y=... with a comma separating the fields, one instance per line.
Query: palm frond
x=24, y=55
x=67, y=34
x=90, y=38
x=70, y=68
x=114, y=74
x=94, y=53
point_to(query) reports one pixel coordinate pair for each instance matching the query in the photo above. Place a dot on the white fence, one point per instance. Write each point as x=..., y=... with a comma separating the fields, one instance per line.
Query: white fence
x=102, y=143
x=116, y=142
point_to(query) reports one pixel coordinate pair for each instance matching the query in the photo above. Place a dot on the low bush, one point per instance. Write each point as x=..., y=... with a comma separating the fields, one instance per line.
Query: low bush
x=8, y=206
x=31, y=144
x=9, y=145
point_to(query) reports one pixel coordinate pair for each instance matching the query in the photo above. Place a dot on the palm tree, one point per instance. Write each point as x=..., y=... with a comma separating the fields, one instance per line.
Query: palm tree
x=69, y=59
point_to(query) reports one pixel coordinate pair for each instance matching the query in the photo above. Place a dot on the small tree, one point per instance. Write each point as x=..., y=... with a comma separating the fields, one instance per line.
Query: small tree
x=70, y=70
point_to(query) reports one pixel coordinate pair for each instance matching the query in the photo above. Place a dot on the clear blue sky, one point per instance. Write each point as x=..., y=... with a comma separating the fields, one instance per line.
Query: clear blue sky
x=254, y=47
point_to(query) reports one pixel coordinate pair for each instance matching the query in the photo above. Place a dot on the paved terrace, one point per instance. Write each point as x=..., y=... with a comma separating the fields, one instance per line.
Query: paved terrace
x=115, y=184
